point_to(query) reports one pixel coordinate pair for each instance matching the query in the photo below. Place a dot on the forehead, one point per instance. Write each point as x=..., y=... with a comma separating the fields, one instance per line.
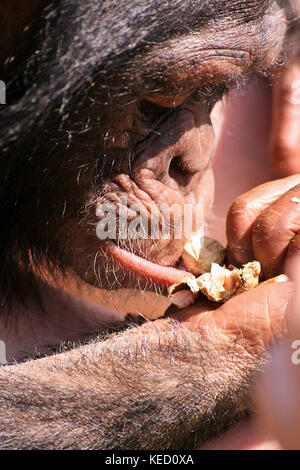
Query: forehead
x=112, y=27
x=222, y=49
x=124, y=44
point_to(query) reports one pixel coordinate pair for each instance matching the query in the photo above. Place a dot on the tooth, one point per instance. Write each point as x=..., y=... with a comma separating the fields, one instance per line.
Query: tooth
x=183, y=298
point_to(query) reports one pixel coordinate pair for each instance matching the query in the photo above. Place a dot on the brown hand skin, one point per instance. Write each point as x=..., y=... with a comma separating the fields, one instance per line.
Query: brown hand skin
x=253, y=322
x=254, y=319
x=216, y=359
x=263, y=224
x=213, y=353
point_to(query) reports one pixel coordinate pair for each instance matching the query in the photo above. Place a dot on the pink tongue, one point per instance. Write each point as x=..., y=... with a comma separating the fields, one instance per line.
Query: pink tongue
x=155, y=272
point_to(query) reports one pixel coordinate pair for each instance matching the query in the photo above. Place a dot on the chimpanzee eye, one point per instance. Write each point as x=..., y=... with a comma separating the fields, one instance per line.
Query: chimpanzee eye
x=152, y=115
x=151, y=112
x=211, y=94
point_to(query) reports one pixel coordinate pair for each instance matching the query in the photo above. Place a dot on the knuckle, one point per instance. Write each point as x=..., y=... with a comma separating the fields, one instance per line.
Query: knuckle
x=240, y=208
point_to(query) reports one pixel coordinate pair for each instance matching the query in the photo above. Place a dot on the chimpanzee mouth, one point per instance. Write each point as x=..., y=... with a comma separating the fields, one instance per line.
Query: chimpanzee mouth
x=163, y=275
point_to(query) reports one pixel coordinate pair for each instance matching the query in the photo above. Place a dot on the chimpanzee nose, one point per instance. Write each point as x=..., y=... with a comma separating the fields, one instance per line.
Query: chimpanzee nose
x=182, y=150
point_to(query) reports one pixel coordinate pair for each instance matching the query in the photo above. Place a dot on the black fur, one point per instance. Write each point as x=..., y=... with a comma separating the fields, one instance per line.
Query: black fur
x=70, y=46
x=137, y=390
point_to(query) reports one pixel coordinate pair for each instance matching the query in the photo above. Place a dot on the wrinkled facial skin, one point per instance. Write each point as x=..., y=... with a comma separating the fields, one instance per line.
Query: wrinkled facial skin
x=139, y=128
x=171, y=167
x=168, y=134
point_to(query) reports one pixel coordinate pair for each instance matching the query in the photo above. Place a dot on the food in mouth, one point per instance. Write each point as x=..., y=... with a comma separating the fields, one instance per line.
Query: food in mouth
x=199, y=254
x=218, y=284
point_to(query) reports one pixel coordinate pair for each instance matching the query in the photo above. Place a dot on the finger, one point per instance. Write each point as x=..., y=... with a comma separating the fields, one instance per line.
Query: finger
x=243, y=213
x=194, y=312
x=274, y=230
x=254, y=319
x=285, y=128
x=292, y=256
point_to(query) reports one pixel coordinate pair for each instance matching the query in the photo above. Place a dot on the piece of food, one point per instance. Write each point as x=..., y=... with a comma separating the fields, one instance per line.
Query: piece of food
x=280, y=278
x=200, y=252
x=183, y=298
x=219, y=285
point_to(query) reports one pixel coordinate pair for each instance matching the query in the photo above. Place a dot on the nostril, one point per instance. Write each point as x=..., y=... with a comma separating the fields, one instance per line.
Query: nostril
x=178, y=171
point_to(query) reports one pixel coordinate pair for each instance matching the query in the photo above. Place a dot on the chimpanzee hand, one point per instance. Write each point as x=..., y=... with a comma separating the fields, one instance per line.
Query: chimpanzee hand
x=250, y=322
x=210, y=353
x=211, y=356
x=263, y=224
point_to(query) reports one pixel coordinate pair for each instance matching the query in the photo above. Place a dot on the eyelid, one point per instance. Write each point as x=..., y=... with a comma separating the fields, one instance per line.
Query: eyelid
x=212, y=94
x=208, y=94
x=153, y=114
x=167, y=101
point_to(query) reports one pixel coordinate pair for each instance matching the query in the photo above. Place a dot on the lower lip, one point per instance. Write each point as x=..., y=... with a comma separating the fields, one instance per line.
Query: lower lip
x=163, y=275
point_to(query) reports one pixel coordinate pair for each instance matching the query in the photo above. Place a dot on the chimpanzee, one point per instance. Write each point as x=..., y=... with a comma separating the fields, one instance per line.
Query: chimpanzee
x=110, y=100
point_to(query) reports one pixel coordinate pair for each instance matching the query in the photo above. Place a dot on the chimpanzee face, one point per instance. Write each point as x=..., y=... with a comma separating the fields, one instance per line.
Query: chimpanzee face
x=115, y=112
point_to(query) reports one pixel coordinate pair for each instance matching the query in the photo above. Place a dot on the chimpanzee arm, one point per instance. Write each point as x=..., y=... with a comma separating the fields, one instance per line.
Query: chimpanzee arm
x=159, y=386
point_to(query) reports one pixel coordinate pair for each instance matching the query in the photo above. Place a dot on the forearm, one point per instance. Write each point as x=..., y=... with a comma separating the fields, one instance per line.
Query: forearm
x=153, y=387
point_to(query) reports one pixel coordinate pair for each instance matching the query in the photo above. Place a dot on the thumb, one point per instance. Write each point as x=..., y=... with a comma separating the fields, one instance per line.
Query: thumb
x=255, y=318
